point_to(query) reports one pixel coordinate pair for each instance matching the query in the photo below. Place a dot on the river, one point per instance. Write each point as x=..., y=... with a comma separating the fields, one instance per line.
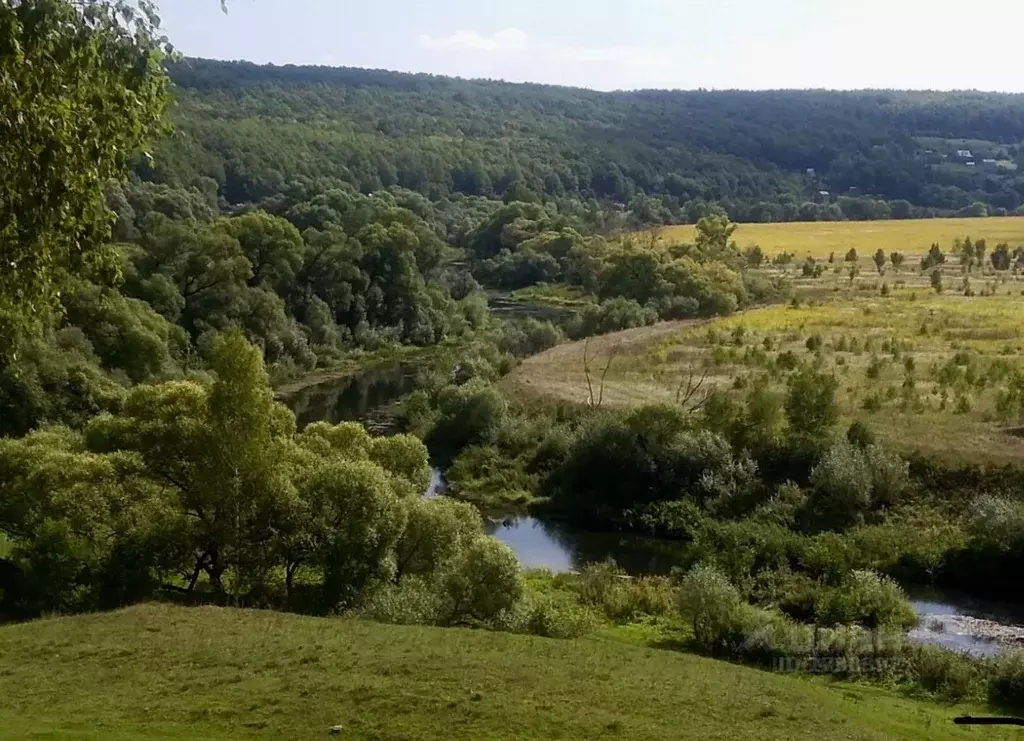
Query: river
x=947, y=619
x=361, y=397
x=955, y=621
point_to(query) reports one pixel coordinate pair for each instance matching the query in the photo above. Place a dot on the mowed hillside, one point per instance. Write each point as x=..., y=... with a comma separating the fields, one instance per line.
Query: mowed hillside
x=155, y=672
x=821, y=238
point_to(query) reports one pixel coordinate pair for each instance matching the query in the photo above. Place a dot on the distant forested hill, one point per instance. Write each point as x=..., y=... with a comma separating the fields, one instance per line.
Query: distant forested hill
x=763, y=156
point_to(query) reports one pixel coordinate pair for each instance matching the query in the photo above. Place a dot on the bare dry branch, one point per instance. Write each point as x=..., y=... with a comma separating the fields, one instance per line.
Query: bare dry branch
x=654, y=236
x=692, y=389
x=591, y=401
x=586, y=371
x=604, y=373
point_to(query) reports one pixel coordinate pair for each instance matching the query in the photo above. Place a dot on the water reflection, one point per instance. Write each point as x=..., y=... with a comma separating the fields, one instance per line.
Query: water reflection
x=558, y=547
x=352, y=398
x=533, y=544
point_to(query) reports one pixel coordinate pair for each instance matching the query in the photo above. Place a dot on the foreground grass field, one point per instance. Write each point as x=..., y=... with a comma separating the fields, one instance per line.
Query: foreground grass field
x=929, y=373
x=155, y=672
x=819, y=239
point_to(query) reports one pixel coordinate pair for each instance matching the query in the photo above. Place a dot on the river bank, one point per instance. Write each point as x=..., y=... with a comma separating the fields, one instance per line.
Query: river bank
x=948, y=619
x=952, y=620
x=350, y=366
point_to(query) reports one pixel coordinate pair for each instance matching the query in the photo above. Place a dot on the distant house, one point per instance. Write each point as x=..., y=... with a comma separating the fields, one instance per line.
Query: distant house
x=988, y=161
x=965, y=153
x=824, y=193
x=810, y=171
x=970, y=164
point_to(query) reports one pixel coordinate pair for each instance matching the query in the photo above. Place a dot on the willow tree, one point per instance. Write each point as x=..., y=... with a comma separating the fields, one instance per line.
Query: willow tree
x=82, y=92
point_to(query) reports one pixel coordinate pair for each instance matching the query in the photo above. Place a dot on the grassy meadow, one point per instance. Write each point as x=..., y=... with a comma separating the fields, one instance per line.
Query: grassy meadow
x=819, y=239
x=928, y=372
x=157, y=672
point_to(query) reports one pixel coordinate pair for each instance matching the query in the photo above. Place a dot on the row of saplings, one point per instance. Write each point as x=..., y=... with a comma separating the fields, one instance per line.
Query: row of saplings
x=858, y=629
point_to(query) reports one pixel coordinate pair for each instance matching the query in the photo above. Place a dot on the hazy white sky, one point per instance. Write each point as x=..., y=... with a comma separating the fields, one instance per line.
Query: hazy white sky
x=606, y=44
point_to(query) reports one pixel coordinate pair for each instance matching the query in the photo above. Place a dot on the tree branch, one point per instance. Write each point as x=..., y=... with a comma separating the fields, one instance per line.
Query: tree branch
x=586, y=371
x=604, y=373
x=692, y=389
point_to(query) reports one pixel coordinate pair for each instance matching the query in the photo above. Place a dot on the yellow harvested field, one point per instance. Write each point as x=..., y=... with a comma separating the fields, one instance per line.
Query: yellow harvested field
x=820, y=238
x=931, y=373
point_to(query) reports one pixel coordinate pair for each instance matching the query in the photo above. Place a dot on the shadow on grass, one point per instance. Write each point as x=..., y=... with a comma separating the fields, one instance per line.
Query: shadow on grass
x=682, y=645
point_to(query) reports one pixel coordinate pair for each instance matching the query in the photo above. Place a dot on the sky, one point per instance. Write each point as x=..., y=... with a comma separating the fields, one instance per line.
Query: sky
x=627, y=44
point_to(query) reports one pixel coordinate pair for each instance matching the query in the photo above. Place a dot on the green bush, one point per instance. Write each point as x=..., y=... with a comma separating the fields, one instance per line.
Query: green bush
x=842, y=487
x=785, y=589
x=769, y=635
x=467, y=415
x=849, y=482
x=637, y=458
x=612, y=315
x=787, y=360
x=484, y=475
x=621, y=598
x=869, y=600
x=811, y=408
x=890, y=476
x=511, y=270
x=784, y=505
x=681, y=518
x=860, y=435
x=715, y=610
x=529, y=336
x=478, y=584
x=947, y=673
x=415, y=601
x=484, y=582
x=1006, y=681
x=996, y=523
x=559, y=615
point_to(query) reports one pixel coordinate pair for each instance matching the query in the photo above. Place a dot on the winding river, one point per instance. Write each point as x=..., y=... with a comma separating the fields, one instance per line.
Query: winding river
x=947, y=619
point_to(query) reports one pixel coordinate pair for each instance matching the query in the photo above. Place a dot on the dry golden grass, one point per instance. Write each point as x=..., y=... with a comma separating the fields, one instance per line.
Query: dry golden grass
x=957, y=421
x=559, y=372
x=819, y=239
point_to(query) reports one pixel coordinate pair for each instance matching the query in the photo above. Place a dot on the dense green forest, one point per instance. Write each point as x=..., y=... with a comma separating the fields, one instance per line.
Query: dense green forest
x=144, y=323
x=763, y=156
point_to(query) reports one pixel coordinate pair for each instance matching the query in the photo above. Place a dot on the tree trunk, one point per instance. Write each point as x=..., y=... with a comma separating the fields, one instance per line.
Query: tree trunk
x=195, y=573
x=215, y=571
x=216, y=579
x=289, y=577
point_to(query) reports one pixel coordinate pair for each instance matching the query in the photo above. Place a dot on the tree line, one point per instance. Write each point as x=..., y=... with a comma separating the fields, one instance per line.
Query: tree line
x=664, y=156
x=142, y=450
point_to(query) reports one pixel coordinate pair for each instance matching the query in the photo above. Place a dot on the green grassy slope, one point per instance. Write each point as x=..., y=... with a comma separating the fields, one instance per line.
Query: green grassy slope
x=156, y=672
